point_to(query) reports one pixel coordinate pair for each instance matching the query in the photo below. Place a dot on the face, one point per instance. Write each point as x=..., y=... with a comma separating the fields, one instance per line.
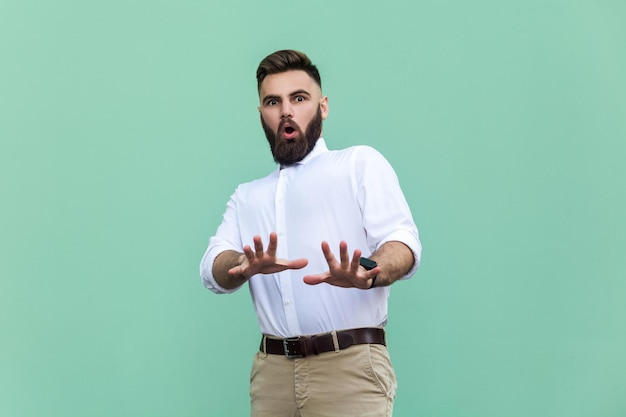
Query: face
x=292, y=110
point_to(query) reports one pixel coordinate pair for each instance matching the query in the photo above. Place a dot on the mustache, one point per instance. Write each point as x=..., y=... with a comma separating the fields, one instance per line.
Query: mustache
x=287, y=121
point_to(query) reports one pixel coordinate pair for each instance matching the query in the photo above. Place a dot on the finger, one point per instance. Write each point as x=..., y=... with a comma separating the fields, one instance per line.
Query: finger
x=299, y=263
x=247, y=251
x=271, y=247
x=373, y=272
x=316, y=279
x=258, y=246
x=282, y=262
x=295, y=264
x=343, y=254
x=330, y=258
x=356, y=260
x=327, y=279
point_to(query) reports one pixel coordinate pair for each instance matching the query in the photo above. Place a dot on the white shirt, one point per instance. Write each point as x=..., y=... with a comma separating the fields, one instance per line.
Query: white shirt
x=352, y=195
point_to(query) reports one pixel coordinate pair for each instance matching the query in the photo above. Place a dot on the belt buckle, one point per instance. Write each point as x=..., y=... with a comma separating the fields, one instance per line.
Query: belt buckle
x=289, y=345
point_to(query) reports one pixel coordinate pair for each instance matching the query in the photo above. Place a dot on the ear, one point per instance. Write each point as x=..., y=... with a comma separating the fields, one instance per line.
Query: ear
x=324, y=107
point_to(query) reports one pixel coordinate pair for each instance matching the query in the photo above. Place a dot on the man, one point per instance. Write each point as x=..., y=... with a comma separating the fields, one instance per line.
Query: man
x=322, y=316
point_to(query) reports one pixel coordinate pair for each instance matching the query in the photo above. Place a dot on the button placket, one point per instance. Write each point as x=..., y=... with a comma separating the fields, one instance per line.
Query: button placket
x=285, y=278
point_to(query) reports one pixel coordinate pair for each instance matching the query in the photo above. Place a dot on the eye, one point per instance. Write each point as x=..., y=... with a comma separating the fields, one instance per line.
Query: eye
x=299, y=98
x=272, y=102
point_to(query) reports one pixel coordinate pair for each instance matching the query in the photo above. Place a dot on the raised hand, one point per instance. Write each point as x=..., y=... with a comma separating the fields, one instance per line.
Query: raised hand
x=346, y=273
x=258, y=261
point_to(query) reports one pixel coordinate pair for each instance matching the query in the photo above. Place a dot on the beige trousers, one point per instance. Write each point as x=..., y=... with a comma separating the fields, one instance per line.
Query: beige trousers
x=358, y=381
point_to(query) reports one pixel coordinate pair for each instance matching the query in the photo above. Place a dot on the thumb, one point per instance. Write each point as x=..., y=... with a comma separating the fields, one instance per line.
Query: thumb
x=295, y=264
x=316, y=279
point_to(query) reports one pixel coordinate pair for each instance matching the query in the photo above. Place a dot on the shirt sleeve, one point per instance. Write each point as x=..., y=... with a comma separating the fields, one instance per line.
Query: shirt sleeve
x=227, y=237
x=386, y=213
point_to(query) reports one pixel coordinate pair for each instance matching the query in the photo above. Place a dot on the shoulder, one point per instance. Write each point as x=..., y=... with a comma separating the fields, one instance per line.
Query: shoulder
x=364, y=157
x=359, y=161
x=258, y=184
x=355, y=154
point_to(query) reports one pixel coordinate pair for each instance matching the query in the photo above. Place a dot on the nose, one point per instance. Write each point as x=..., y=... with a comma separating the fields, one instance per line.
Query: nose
x=286, y=111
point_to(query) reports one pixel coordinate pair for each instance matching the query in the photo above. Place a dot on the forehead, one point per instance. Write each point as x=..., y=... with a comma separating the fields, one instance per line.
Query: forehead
x=284, y=83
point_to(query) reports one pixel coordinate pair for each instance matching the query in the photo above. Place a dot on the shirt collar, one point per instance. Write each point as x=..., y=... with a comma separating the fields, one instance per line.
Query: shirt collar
x=319, y=148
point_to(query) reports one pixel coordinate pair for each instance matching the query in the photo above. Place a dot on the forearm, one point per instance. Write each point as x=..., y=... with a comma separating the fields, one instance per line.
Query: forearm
x=222, y=264
x=395, y=260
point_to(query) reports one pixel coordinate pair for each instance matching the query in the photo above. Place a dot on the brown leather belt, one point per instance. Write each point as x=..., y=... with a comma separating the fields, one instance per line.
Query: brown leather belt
x=303, y=346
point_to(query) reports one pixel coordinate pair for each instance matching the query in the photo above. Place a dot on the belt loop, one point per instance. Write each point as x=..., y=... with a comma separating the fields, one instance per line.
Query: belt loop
x=335, y=340
x=264, y=346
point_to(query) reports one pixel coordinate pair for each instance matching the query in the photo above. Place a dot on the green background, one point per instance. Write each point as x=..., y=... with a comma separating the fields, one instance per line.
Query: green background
x=126, y=125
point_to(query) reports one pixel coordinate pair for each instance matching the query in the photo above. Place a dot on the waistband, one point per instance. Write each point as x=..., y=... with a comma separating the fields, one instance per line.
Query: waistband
x=303, y=346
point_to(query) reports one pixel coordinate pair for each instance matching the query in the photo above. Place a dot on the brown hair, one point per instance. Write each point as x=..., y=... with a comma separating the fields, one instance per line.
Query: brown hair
x=283, y=61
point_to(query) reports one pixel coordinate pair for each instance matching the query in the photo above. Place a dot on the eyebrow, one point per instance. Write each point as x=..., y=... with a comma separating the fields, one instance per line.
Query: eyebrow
x=298, y=92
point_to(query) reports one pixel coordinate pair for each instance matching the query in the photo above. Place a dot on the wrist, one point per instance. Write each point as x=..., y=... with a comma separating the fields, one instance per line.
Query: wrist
x=369, y=264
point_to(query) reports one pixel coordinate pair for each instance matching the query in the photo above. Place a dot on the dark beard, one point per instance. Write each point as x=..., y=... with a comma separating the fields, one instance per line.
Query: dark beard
x=288, y=152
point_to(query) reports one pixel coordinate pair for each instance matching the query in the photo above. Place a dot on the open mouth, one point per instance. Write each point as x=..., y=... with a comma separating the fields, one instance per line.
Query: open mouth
x=289, y=132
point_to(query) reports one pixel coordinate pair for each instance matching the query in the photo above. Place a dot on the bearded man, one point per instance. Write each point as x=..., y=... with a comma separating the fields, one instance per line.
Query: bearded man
x=322, y=318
